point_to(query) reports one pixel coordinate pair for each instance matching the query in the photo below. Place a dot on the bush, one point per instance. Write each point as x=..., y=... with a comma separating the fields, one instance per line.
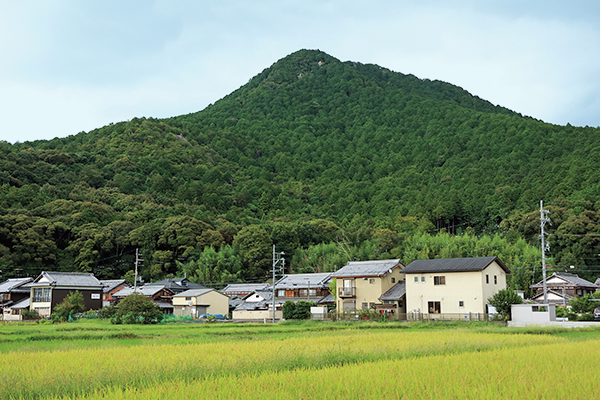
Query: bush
x=302, y=309
x=288, y=309
x=138, y=309
x=107, y=312
x=29, y=315
x=502, y=301
x=72, y=304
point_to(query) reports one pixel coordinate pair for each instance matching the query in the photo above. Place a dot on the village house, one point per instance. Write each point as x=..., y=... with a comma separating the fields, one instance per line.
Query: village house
x=14, y=290
x=159, y=294
x=237, y=291
x=110, y=287
x=258, y=306
x=562, y=287
x=197, y=302
x=50, y=288
x=367, y=284
x=14, y=311
x=454, y=286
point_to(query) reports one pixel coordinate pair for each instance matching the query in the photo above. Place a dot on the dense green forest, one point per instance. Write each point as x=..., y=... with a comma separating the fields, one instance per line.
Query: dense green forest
x=331, y=161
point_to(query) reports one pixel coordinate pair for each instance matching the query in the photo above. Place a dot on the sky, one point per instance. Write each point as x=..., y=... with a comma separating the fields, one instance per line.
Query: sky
x=73, y=66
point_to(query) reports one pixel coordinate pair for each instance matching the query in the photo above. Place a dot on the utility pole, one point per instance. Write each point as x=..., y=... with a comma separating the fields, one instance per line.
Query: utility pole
x=545, y=246
x=137, y=261
x=277, y=257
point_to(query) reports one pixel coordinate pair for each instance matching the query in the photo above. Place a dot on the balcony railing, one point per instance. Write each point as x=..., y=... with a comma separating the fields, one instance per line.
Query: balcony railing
x=347, y=292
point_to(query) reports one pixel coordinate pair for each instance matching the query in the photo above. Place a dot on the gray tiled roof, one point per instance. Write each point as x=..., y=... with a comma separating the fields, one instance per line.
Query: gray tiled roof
x=177, y=285
x=327, y=299
x=452, y=265
x=395, y=293
x=109, y=285
x=244, y=287
x=146, y=290
x=570, y=280
x=194, y=292
x=21, y=304
x=13, y=284
x=69, y=279
x=302, y=281
x=555, y=292
x=366, y=268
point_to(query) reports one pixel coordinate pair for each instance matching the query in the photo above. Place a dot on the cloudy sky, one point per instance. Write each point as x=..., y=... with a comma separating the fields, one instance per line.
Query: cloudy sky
x=71, y=66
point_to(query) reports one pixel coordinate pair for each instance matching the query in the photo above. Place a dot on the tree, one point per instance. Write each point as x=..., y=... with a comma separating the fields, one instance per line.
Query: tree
x=503, y=300
x=72, y=304
x=137, y=309
x=254, y=245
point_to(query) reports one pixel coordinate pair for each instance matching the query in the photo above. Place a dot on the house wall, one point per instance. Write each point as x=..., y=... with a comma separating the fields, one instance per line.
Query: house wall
x=469, y=287
x=367, y=292
x=256, y=315
x=527, y=313
x=89, y=303
x=212, y=302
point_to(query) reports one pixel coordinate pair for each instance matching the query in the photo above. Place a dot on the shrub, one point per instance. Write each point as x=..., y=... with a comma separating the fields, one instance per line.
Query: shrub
x=138, y=309
x=502, y=301
x=302, y=309
x=288, y=309
x=72, y=304
x=29, y=315
x=107, y=312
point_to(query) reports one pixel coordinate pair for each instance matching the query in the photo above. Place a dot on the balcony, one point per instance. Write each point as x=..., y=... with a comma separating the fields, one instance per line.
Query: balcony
x=347, y=292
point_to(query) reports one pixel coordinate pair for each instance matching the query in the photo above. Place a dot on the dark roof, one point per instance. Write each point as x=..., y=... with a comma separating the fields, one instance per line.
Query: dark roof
x=395, y=293
x=177, y=285
x=327, y=300
x=303, y=281
x=109, y=285
x=452, y=265
x=366, y=268
x=569, y=280
x=14, y=284
x=68, y=279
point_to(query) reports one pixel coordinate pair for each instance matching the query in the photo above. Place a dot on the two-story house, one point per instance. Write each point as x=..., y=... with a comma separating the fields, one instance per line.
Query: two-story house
x=361, y=284
x=50, y=288
x=453, y=285
x=197, y=302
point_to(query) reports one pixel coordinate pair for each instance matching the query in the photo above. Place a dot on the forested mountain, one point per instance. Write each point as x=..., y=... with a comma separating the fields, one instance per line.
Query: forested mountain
x=330, y=160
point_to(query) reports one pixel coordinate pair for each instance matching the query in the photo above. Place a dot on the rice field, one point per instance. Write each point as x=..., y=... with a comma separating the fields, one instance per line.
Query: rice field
x=303, y=361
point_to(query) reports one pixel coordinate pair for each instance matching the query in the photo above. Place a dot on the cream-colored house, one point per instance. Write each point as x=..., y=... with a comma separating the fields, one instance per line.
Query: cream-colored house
x=360, y=284
x=453, y=285
x=196, y=302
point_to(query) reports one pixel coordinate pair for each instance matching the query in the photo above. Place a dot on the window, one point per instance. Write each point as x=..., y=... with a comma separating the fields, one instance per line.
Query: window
x=416, y=279
x=281, y=293
x=495, y=280
x=365, y=306
x=461, y=303
x=400, y=304
x=188, y=298
x=393, y=280
x=371, y=305
x=434, y=307
x=372, y=280
x=487, y=279
x=422, y=279
x=41, y=295
x=439, y=280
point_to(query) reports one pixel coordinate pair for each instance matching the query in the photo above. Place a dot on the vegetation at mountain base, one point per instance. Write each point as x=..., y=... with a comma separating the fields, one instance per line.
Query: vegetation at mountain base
x=331, y=161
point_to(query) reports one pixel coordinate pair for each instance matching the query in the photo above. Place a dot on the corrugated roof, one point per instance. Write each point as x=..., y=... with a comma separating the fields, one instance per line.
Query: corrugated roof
x=14, y=283
x=301, y=281
x=452, y=265
x=366, y=268
x=395, y=293
x=570, y=280
x=194, y=292
x=22, y=304
x=67, y=279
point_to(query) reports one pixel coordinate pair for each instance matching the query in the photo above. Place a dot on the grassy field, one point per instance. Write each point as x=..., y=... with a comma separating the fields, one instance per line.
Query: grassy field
x=93, y=359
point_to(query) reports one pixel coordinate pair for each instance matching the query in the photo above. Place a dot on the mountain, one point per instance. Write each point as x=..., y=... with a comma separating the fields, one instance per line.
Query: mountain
x=308, y=148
